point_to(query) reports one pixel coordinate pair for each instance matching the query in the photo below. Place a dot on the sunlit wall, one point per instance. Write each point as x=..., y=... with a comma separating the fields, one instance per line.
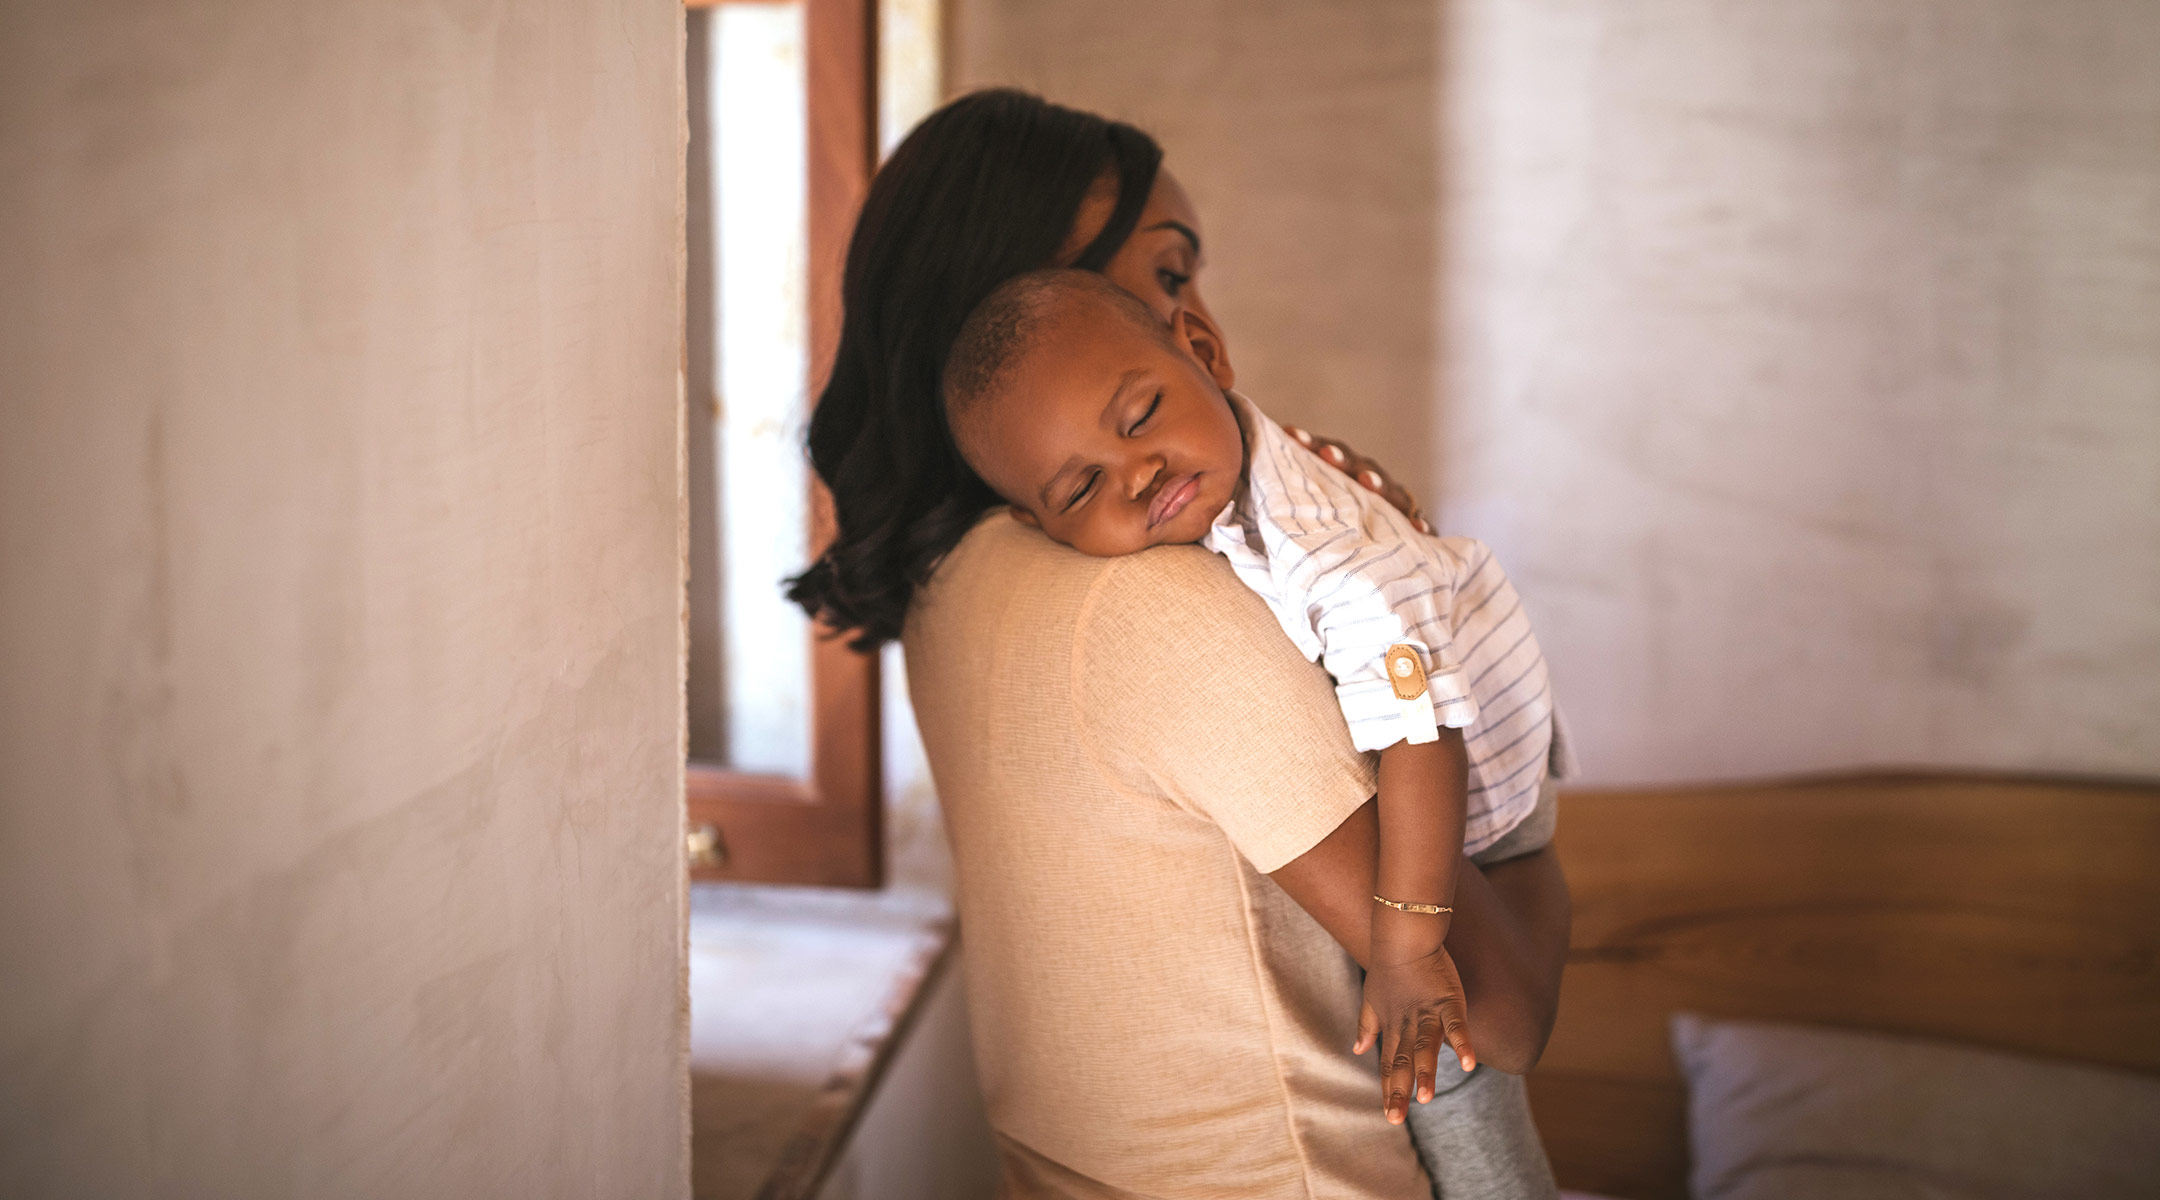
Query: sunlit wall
x=1802, y=358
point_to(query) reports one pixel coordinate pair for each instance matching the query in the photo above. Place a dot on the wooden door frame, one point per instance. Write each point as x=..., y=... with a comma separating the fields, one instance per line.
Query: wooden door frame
x=827, y=829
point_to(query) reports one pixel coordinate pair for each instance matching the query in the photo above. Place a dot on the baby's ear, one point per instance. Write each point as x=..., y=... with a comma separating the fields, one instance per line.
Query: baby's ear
x=1023, y=516
x=1198, y=335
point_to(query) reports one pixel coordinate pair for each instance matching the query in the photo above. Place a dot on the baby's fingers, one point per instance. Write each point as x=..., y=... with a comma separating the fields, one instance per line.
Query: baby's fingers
x=1426, y=1054
x=1397, y=1073
x=1455, y=1026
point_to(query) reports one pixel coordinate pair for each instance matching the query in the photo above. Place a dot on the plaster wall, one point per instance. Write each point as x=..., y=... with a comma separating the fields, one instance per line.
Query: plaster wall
x=1802, y=359
x=340, y=600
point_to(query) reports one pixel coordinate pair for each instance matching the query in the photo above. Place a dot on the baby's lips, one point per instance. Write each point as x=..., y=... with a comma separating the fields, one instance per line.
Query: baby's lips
x=1173, y=498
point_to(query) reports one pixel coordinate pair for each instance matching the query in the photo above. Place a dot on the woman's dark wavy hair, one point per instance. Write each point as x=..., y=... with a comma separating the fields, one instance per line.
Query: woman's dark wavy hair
x=986, y=188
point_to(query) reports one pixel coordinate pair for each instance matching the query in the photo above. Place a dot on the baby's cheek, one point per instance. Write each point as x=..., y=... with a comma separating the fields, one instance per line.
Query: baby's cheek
x=1111, y=536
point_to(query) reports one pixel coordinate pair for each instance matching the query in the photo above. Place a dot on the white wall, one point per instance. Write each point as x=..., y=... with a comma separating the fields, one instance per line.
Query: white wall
x=1801, y=357
x=340, y=606
x=1804, y=361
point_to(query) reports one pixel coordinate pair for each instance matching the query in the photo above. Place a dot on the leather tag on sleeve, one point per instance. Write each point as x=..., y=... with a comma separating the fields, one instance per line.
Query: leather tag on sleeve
x=1405, y=672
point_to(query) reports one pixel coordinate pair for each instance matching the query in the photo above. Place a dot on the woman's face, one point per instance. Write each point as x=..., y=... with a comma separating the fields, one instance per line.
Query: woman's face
x=1160, y=262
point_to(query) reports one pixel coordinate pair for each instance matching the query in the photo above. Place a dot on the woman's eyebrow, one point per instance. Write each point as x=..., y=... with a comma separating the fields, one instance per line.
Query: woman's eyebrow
x=1181, y=227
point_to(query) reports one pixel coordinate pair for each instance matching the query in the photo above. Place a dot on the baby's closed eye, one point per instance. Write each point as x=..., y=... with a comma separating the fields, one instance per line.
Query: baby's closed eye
x=1144, y=417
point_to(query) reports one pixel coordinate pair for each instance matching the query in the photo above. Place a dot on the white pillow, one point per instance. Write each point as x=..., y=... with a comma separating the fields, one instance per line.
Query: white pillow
x=1781, y=1112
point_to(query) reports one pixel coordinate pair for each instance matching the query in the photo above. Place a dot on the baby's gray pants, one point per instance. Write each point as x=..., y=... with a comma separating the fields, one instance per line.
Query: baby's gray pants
x=1474, y=1136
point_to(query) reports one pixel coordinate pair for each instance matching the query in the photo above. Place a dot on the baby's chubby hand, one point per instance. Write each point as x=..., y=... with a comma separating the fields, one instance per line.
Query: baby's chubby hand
x=1410, y=1008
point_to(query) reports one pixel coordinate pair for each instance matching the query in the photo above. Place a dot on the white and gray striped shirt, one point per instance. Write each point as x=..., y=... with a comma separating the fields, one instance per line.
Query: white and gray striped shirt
x=1348, y=576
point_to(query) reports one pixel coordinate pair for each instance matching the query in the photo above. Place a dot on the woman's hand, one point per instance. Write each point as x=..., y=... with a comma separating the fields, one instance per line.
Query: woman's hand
x=1369, y=474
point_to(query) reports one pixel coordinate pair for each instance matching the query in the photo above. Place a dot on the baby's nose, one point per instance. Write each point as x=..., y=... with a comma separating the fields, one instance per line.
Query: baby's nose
x=1144, y=475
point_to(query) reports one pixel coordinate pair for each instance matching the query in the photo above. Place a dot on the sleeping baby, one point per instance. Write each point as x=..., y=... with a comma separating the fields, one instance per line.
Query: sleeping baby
x=1112, y=432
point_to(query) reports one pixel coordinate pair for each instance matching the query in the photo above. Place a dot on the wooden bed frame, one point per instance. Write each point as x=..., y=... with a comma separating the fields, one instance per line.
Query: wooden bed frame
x=2015, y=913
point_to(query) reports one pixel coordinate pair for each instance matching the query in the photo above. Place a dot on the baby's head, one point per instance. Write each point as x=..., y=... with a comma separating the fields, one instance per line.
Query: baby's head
x=1091, y=417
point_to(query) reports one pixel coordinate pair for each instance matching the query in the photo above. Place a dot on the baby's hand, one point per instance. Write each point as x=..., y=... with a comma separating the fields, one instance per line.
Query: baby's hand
x=1409, y=1008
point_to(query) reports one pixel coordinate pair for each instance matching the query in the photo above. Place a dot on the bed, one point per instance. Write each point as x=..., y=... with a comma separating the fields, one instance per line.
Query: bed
x=2017, y=914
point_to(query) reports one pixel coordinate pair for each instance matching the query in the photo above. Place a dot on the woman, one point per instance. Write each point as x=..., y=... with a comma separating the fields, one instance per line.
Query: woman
x=993, y=185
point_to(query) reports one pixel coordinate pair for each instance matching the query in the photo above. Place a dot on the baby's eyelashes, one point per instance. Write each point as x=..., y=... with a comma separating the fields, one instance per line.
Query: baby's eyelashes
x=1082, y=493
x=1146, y=416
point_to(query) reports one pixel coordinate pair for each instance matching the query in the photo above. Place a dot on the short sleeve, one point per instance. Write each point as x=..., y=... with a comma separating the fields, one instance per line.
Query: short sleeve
x=1188, y=691
x=1350, y=578
x=1358, y=631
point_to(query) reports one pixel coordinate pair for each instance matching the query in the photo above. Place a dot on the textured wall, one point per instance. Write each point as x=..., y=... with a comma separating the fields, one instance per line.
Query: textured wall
x=340, y=696
x=1804, y=360
x=1306, y=134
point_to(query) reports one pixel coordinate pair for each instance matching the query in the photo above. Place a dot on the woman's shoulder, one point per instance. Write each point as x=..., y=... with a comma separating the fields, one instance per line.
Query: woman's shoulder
x=1000, y=575
x=1007, y=577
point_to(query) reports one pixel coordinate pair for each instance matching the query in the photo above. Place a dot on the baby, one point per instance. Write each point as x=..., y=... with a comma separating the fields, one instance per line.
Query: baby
x=1113, y=432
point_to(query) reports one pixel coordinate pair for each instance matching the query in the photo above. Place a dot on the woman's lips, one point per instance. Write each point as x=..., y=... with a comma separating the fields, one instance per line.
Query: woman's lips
x=1172, y=499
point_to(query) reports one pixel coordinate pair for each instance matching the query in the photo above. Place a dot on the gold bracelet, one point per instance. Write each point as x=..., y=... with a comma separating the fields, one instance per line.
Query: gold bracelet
x=1416, y=908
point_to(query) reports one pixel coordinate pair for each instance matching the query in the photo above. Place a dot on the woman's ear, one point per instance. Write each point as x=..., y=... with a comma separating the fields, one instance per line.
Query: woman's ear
x=1023, y=516
x=1198, y=335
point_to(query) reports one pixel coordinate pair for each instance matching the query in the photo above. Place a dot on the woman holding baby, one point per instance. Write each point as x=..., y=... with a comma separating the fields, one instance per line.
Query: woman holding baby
x=1164, y=837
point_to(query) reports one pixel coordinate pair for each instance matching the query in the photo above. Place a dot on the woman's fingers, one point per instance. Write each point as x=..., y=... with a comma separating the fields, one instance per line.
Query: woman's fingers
x=1373, y=478
x=1330, y=451
x=1369, y=474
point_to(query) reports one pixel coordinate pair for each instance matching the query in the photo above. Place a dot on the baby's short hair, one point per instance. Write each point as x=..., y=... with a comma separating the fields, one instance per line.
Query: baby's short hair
x=1009, y=321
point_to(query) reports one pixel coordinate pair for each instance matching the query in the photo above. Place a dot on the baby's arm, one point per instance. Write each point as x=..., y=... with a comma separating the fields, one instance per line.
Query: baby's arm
x=1413, y=996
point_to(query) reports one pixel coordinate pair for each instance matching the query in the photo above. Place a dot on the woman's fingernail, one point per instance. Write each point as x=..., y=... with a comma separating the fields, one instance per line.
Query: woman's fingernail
x=1422, y=527
x=1370, y=479
x=1304, y=438
x=1333, y=454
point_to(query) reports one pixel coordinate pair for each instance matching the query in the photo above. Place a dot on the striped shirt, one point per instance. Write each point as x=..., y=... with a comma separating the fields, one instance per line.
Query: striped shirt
x=1348, y=577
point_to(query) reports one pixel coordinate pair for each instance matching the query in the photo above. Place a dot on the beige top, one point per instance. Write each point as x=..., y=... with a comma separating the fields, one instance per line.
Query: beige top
x=1123, y=747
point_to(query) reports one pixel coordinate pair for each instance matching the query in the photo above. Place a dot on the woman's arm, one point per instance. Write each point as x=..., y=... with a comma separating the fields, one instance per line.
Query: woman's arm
x=1509, y=937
